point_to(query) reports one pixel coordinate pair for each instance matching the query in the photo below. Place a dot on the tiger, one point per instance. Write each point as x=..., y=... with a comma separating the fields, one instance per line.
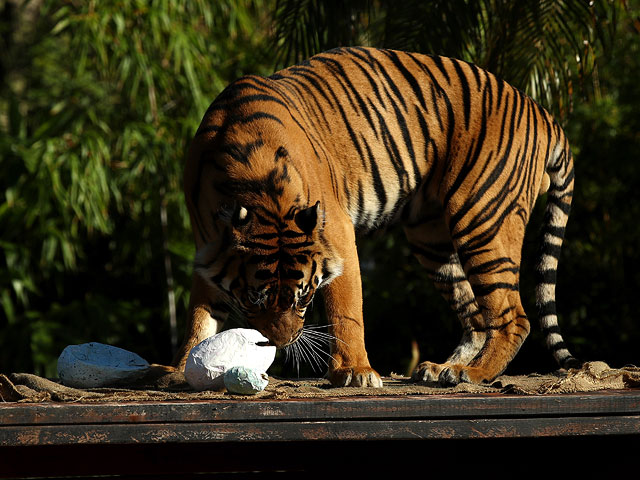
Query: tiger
x=285, y=171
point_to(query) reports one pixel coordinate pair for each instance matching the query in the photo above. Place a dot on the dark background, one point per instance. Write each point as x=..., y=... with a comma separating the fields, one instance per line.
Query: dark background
x=98, y=102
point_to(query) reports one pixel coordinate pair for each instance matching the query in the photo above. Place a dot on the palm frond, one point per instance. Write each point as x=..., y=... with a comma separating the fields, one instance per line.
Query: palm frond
x=547, y=48
x=306, y=27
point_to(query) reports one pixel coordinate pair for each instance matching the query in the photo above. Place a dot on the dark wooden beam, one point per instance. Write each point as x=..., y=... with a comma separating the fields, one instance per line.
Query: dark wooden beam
x=237, y=434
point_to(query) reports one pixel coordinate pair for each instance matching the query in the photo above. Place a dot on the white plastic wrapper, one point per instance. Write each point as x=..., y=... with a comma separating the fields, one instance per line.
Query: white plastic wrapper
x=93, y=365
x=211, y=358
x=245, y=381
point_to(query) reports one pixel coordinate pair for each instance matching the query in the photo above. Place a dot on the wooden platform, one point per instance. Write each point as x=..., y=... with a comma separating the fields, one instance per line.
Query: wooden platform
x=194, y=438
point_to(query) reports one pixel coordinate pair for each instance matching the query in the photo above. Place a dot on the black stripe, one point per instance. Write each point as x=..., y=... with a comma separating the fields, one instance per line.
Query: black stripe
x=499, y=89
x=293, y=274
x=297, y=245
x=487, y=96
x=567, y=181
x=428, y=143
x=552, y=329
x=490, y=266
x=548, y=276
x=551, y=250
x=485, y=290
x=240, y=153
x=257, y=245
x=406, y=137
x=235, y=104
x=378, y=185
x=361, y=209
x=553, y=230
x=466, y=92
x=564, y=206
x=476, y=74
x=438, y=62
x=292, y=234
x=545, y=309
x=251, y=118
x=266, y=236
x=451, y=122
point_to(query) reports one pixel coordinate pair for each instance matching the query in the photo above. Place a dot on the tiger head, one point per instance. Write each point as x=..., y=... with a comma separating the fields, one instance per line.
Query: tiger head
x=268, y=266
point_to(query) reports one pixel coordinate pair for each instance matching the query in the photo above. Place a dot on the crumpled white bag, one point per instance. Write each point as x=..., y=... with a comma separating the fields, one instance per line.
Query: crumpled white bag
x=237, y=347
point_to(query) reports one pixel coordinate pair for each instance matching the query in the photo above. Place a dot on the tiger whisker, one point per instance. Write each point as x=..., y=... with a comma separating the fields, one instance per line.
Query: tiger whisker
x=309, y=349
x=315, y=343
x=312, y=329
x=314, y=358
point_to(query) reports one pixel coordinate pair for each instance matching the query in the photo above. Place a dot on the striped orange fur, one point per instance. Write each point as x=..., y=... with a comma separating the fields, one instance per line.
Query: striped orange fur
x=284, y=171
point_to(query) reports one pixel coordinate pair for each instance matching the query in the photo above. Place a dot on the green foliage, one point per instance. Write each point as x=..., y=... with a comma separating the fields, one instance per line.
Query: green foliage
x=306, y=27
x=100, y=101
x=547, y=48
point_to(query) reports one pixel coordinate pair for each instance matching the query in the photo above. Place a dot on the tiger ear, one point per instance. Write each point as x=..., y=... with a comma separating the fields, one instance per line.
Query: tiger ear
x=307, y=219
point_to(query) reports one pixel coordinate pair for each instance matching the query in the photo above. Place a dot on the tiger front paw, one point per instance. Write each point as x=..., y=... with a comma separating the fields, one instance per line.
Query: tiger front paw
x=355, y=377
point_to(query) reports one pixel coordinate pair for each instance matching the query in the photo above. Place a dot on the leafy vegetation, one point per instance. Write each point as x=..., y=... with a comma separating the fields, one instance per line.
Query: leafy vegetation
x=546, y=47
x=98, y=101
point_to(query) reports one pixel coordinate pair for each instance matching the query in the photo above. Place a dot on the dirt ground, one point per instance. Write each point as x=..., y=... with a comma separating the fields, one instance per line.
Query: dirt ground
x=160, y=385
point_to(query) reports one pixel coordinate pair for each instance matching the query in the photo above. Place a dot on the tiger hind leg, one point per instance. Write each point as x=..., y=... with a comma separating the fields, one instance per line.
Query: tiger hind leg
x=493, y=272
x=432, y=246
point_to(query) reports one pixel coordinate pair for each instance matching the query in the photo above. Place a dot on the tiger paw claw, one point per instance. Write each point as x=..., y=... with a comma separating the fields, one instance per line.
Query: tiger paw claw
x=441, y=375
x=427, y=372
x=451, y=376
